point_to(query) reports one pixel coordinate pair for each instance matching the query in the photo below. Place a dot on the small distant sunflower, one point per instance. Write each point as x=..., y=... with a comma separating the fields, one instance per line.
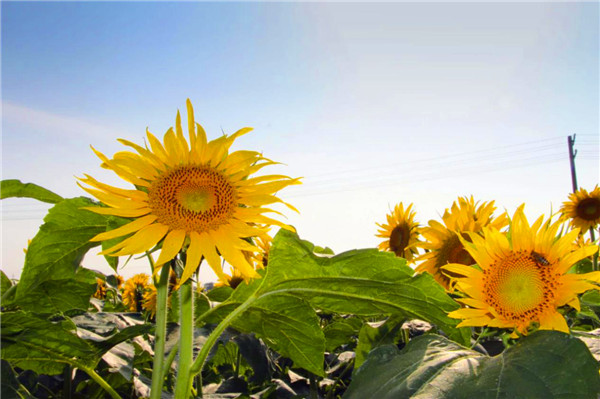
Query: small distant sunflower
x=261, y=258
x=232, y=280
x=444, y=240
x=522, y=276
x=582, y=209
x=193, y=196
x=149, y=300
x=101, y=289
x=134, y=291
x=401, y=232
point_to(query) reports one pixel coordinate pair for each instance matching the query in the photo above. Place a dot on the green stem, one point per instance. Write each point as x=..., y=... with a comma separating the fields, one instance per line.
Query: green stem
x=101, y=382
x=160, y=332
x=216, y=333
x=314, y=387
x=67, y=388
x=168, y=362
x=186, y=340
x=595, y=258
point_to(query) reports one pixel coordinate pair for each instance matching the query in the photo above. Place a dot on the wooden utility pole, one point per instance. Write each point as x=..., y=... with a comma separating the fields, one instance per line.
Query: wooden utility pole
x=572, y=154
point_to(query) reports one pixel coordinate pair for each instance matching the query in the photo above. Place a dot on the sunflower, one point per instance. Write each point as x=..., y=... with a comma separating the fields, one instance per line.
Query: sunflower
x=101, y=289
x=261, y=258
x=134, y=292
x=194, y=197
x=582, y=209
x=232, y=280
x=522, y=276
x=401, y=232
x=443, y=240
x=149, y=300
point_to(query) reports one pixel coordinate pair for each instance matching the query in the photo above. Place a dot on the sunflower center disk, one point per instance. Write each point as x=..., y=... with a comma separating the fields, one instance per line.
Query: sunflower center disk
x=399, y=239
x=193, y=198
x=589, y=209
x=518, y=288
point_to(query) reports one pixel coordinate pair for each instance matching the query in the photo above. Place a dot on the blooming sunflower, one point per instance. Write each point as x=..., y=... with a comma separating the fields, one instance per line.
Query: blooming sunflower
x=401, y=232
x=149, y=300
x=443, y=240
x=582, y=209
x=232, y=280
x=196, y=197
x=101, y=289
x=522, y=276
x=134, y=292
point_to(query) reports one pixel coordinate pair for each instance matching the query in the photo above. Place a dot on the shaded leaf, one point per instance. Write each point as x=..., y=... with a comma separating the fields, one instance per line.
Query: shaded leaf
x=373, y=336
x=53, y=296
x=255, y=354
x=10, y=387
x=430, y=366
x=59, y=246
x=5, y=282
x=338, y=333
x=33, y=343
x=14, y=188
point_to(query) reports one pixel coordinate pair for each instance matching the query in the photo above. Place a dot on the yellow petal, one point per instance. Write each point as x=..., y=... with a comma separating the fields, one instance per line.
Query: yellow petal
x=171, y=246
x=232, y=255
x=210, y=254
x=143, y=240
x=194, y=256
x=554, y=321
x=136, y=225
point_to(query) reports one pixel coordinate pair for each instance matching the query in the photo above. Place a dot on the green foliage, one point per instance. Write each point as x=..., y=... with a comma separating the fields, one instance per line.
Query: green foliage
x=14, y=188
x=363, y=282
x=54, y=255
x=10, y=387
x=33, y=343
x=371, y=337
x=542, y=365
x=340, y=332
x=5, y=282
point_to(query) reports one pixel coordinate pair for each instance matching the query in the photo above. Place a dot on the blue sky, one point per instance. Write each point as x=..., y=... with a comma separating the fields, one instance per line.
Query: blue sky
x=372, y=103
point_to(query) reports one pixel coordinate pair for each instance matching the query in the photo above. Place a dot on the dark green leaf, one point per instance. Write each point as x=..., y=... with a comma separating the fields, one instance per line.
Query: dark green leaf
x=374, y=335
x=591, y=298
x=338, y=333
x=10, y=387
x=14, y=188
x=539, y=366
x=58, y=248
x=5, y=282
x=219, y=294
x=255, y=354
x=53, y=296
x=33, y=343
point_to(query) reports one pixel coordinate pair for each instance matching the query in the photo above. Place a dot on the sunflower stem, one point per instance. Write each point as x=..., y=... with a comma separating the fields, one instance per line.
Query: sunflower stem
x=101, y=381
x=216, y=333
x=595, y=258
x=186, y=337
x=160, y=332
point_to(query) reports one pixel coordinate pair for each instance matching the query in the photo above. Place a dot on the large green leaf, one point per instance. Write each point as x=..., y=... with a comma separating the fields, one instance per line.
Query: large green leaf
x=33, y=343
x=58, y=248
x=363, y=282
x=53, y=296
x=372, y=336
x=547, y=364
x=14, y=188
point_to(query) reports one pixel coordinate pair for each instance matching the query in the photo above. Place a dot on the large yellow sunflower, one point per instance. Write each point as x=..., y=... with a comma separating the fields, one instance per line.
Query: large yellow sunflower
x=443, y=240
x=582, y=209
x=134, y=292
x=522, y=276
x=401, y=232
x=194, y=197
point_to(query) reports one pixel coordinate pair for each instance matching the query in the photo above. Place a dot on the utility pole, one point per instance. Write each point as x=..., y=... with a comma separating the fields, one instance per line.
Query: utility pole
x=572, y=154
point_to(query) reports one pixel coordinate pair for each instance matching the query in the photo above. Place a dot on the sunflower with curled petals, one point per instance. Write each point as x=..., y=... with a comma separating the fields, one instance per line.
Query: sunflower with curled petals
x=189, y=196
x=134, y=292
x=401, y=233
x=583, y=209
x=522, y=276
x=443, y=241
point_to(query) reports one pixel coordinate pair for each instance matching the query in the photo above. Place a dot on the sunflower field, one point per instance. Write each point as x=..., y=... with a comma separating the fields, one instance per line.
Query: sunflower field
x=477, y=304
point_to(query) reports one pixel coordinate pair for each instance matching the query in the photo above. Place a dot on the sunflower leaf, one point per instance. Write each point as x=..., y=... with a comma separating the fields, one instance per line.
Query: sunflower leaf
x=33, y=343
x=371, y=337
x=59, y=246
x=14, y=188
x=430, y=366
